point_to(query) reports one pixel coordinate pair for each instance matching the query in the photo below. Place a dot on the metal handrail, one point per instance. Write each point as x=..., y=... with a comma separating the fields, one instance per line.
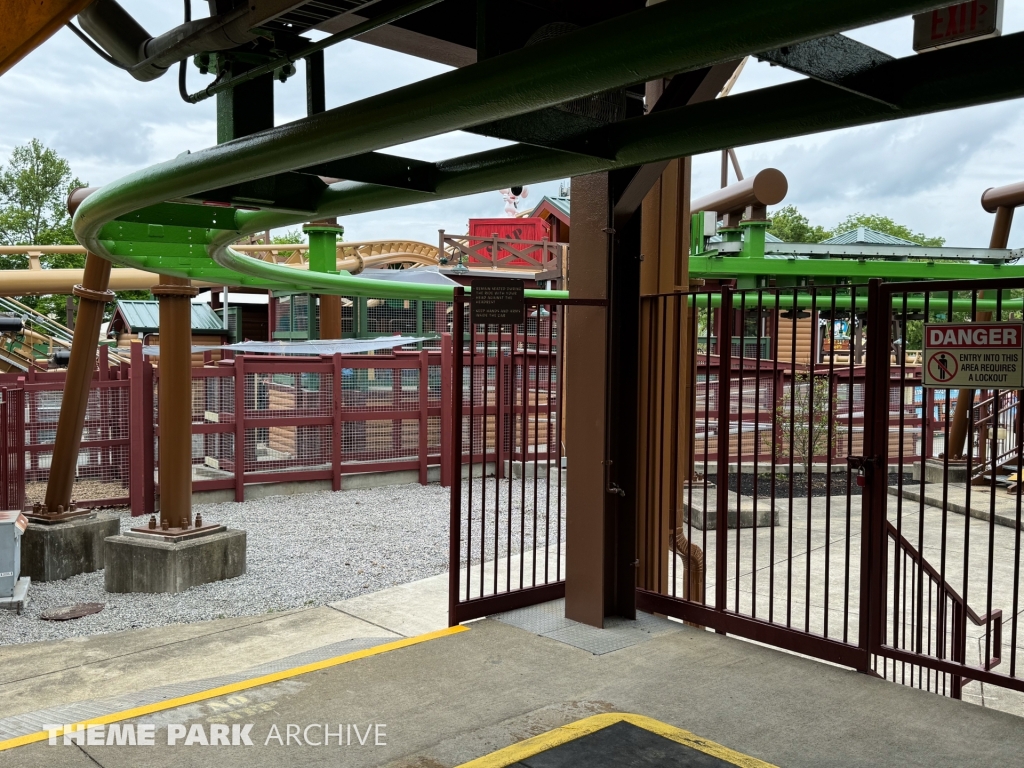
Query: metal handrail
x=961, y=608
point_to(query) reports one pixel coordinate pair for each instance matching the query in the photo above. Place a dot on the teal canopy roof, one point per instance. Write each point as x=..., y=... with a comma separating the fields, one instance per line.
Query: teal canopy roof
x=144, y=317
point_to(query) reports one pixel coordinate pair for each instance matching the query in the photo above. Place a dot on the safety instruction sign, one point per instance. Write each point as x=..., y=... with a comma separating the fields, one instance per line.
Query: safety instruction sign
x=974, y=355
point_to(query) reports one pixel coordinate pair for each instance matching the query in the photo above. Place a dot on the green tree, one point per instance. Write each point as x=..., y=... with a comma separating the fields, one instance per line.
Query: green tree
x=791, y=226
x=34, y=187
x=887, y=226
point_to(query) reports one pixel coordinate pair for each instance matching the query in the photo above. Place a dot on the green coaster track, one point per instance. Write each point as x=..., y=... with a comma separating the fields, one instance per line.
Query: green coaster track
x=166, y=218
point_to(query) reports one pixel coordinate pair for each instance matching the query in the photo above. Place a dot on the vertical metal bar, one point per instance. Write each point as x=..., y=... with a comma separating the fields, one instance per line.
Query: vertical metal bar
x=899, y=481
x=558, y=437
x=1016, y=544
x=945, y=495
x=739, y=438
x=459, y=349
x=757, y=450
x=707, y=432
x=992, y=505
x=552, y=425
x=722, y=458
x=829, y=450
x=674, y=437
x=536, y=425
x=515, y=391
x=960, y=630
x=792, y=444
x=660, y=430
x=777, y=392
x=691, y=429
x=455, y=509
x=811, y=383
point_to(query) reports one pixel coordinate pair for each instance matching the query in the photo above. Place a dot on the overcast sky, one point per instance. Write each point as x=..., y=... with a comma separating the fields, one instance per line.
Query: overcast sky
x=927, y=173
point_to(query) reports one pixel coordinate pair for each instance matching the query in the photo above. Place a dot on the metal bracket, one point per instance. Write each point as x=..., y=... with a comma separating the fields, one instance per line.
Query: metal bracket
x=614, y=489
x=863, y=462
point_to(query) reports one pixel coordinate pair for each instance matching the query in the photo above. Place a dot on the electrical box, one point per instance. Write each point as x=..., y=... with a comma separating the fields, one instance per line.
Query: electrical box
x=12, y=526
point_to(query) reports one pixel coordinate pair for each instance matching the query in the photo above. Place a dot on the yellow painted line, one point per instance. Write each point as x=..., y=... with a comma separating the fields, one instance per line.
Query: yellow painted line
x=588, y=725
x=224, y=690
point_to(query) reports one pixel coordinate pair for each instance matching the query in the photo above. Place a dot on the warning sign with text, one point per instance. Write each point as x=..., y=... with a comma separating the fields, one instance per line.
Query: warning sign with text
x=974, y=355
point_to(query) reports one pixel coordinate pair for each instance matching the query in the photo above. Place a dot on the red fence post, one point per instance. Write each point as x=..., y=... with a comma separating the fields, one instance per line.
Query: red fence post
x=240, y=447
x=148, y=447
x=339, y=426
x=875, y=452
x=455, y=509
x=137, y=416
x=447, y=460
x=424, y=392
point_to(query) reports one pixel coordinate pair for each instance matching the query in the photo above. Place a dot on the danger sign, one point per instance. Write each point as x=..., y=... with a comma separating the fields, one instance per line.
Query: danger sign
x=974, y=355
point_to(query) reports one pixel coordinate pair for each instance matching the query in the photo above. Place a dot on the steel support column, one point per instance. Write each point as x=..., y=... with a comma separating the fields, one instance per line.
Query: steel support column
x=93, y=295
x=665, y=370
x=601, y=382
x=175, y=401
x=323, y=257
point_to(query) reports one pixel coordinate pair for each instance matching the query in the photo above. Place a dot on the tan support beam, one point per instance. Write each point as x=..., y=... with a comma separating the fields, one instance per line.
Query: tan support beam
x=175, y=401
x=666, y=372
x=330, y=316
x=93, y=295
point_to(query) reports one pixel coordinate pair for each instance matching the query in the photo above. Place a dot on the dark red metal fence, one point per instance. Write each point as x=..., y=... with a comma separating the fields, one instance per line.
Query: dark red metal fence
x=12, y=448
x=300, y=419
x=507, y=502
x=844, y=534
x=945, y=543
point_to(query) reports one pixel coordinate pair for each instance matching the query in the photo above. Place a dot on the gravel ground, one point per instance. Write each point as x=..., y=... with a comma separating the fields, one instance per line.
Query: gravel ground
x=303, y=551
x=83, y=489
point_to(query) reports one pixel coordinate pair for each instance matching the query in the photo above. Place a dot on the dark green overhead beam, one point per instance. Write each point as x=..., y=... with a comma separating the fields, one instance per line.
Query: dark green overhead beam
x=968, y=75
x=663, y=39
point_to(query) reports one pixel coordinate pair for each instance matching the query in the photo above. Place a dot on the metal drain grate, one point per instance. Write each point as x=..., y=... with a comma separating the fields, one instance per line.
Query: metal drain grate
x=548, y=620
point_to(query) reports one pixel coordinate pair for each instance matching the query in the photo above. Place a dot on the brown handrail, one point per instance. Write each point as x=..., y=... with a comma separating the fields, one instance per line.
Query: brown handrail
x=960, y=605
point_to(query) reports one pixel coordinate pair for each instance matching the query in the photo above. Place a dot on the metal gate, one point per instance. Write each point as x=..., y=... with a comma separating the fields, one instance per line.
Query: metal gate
x=509, y=472
x=749, y=517
x=849, y=533
x=794, y=482
x=946, y=535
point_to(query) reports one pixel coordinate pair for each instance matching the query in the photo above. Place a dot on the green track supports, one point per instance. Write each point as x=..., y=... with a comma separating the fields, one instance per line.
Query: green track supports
x=649, y=43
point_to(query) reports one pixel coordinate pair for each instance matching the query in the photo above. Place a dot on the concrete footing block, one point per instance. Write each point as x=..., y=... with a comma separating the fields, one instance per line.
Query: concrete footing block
x=704, y=515
x=144, y=563
x=62, y=550
x=935, y=471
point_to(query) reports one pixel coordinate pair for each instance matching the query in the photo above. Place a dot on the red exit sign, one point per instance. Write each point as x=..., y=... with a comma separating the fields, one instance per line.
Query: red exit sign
x=959, y=23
